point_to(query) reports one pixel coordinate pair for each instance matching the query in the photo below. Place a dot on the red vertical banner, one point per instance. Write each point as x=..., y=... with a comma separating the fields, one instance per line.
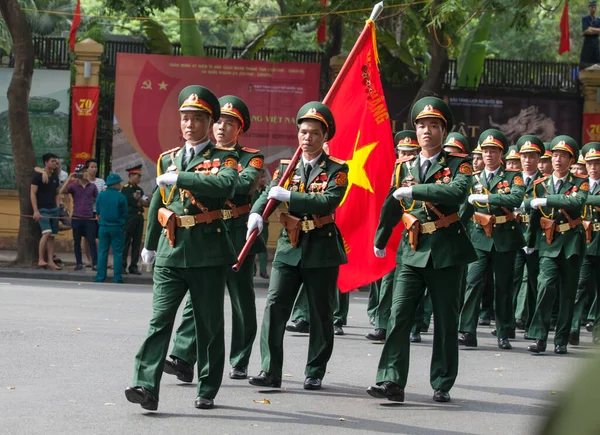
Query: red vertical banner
x=84, y=111
x=591, y=128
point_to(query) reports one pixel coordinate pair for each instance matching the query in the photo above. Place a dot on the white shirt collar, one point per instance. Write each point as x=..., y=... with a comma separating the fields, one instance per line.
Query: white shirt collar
x=555, y=179
x=312, y=162
x=433, y=159
x=197, y=148
x=593, y=183
x=532, y=176
x=494, y=172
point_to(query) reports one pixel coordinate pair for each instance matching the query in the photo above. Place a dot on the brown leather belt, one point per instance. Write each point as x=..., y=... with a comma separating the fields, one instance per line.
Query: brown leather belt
x=563, y=228
x=207, y=217
x=307, y=225
x=443, y=222
x=235, y=212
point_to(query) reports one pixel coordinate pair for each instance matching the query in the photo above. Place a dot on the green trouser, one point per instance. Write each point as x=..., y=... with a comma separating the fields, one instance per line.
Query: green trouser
x=592, y=314
x=386, y=294
x=320, y=286
x=373, y=298
x=243, y=320
x=134, y=229
x=487, y=298
x=300, y=311
x=558, y=277
x=206, y=287
x=263, y=257
x=409, y=286
x=502, y=264
x=527, y=268
x=109, y=236
x=587, y=289
x=422, y=315
x=340, y=313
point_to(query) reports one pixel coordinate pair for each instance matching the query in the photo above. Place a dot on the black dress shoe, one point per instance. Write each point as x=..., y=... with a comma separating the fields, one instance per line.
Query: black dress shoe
x=301, y=326
x=238, y=372
x=560, y=349
x=415, y=338
x=511, y=333
x=573, y=338
x=376, y=335
x=312, y=383
x=441, y=396
x=537, y=347
x=143, y=397
x=134, y=270
x=484, y=321
x=337, y=330
x=179, y=368
x=589, y=327
x=503, y=343
x=387, y=390
x=204, y=403
x=265, y=379
x=467, y=339
x=264, y=275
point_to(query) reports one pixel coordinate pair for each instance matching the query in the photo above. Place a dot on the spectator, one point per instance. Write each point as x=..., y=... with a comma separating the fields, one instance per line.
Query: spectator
x=111, y=207
x=92, y=169
x=83, y=223
x=45, y=203
x=590, y=24
x=63, y=205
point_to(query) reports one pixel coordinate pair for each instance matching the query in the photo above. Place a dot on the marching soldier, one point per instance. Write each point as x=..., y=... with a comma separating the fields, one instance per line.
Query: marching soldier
x=309, y=251
x=556, y=231
x=545, y=163
x=456, y=143
x=496, y=236
x=134, y=225
x=579, y=167
x=478, y=164
x=433, y=252
x=589, y=277
x=234, y=121
x=512, y=158
x=193, y=249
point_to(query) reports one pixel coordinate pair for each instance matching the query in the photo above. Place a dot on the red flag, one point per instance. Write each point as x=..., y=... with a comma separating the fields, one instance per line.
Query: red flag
x=364, y=139
x=74, y=25
x=322, y=29
x=564, y=30
x=84, y=111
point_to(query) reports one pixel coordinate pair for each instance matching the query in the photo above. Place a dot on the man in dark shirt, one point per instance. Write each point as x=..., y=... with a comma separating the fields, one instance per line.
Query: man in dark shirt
x=45, y=203
x=84, y=196
x=590, y=51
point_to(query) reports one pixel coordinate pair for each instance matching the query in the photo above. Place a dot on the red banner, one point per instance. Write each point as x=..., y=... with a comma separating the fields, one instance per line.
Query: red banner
x=84, y=111
x=591, y=128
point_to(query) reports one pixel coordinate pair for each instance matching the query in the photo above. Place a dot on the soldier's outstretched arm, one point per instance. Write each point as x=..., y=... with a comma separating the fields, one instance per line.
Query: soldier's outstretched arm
x=568, y=201
x=452, y=193
x=510, y=200
x=593, y=200
x=391, y=213
x=325, y=203
x=213, y=186
x=248, y=178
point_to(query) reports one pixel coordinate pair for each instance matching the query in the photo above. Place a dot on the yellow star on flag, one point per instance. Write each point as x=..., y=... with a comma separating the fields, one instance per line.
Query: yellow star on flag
x=357, y=176
x=162, y=86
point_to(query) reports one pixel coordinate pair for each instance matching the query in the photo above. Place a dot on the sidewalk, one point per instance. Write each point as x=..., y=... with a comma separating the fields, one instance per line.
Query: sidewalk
x=87, y=275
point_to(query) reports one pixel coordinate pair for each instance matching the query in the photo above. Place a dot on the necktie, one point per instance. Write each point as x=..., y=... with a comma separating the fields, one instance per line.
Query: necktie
x=424, y=169
x=557, y=186
x=527, y=182
x=592, y=186
x=490, y=175
x=190, y=157
x=307, y=169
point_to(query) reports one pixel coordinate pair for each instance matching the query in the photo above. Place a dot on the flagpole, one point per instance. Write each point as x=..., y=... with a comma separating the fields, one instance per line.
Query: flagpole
x=271, y=203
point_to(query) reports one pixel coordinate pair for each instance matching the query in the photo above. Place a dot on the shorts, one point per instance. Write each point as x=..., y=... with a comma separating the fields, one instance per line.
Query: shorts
x=49, y=225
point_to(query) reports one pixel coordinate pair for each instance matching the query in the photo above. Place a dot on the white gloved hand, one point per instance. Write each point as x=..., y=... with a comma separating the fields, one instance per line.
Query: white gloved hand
x=539, y=202
x=255, y=221
x=528, y=251
x=482, y=199
x=379, y=253
x=168, y=178
x=148, y=256
x=278, y=193
x=403, y=192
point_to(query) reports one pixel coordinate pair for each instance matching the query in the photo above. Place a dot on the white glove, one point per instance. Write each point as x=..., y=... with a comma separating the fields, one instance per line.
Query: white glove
x=278, y=193
x=255, y=221
x=403, y=192
x=539, y=202
x=148, y=256
x=482, y=199
x=379, y=253
x=168, y=178
x=528, y=251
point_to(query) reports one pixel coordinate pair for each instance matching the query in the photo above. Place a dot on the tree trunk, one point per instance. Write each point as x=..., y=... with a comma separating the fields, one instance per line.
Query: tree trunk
x=18, y=124
x=334, y=47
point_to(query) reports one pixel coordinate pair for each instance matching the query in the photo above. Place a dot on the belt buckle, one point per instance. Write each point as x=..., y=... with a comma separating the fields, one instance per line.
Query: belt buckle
x=227, y=214
x=564, y=227
x=428, y=228
x=500, y=219
x=525, y=218
x=308, y=226
x=596, y=227
x=187, y=221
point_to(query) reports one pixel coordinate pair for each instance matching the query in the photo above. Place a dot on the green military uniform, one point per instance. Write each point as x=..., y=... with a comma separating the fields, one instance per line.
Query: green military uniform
x=497, y=237
x=456, y=143
x=301, y=311
x=561, y=248
x=198, y=258
x=134, y=225
x=435, y=261
x=240, y=284
x=313, y=263
x=589, y=277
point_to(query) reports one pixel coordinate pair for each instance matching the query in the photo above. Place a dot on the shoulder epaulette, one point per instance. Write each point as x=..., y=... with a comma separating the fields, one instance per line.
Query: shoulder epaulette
x=250, y=150
x=476, y=172
x=285, y=161
x=511, y=170
x=336, y=160
x=172, y=150
x=404, y=159
x=580, y=176
x=217, y=147
x=459, y=155
x=540, y=180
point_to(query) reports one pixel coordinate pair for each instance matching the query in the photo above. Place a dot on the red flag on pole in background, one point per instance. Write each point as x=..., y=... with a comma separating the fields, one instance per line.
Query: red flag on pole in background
x=322, y=29
x=564, y=30
x=364, y=140
x=84, y=112
x=74, y=24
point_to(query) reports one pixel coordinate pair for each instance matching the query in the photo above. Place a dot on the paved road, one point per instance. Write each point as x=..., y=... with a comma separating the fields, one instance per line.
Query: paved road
x=67, y=348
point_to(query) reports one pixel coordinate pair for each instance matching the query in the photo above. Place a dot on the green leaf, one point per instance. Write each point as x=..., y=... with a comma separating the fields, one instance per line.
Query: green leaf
x=258, y=42
x=156, y=39
x=472, y=56
x=191, y=39
x=402, y=52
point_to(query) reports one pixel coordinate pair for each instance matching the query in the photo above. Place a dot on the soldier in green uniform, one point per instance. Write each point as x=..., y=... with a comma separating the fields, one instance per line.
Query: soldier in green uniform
x=478, y=164
x=193, y=249
x=134, y=225
x=234, y=121
x=589, y=277
x=456, y=143
x=556, y=231
x=545, y=164
x=309, y=250
x=512, y=159
x=432, y=254
x=497, y=237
